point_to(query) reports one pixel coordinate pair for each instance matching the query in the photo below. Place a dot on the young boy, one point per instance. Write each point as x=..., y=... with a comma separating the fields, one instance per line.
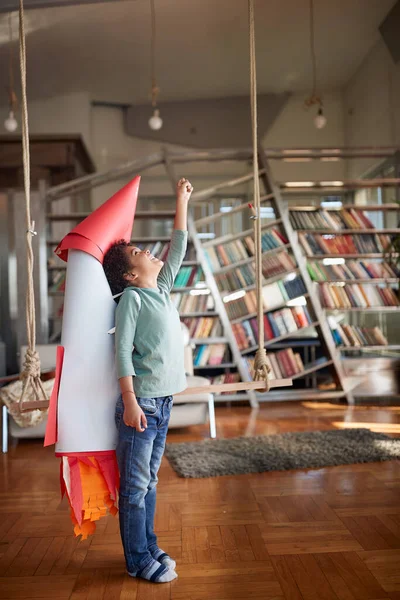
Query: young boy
x=147, y=320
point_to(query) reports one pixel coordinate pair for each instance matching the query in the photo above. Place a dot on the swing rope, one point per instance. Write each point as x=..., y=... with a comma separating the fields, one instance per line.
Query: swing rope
x=261, y=368
x=30, y=374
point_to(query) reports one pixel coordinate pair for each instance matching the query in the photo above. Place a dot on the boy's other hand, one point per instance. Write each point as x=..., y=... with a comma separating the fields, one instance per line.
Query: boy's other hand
x=134, y=416
x=184, y=190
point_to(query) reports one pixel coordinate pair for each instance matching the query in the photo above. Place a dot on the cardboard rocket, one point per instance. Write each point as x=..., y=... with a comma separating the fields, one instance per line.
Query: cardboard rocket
x=86, y=388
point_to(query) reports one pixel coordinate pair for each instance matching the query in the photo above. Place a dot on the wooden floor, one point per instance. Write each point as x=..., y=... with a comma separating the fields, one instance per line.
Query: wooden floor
x=322, y=534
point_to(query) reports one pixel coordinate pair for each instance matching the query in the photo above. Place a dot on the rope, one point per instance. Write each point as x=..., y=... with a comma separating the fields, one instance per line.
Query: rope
x=155, y=90
x=31, y=371
x=261, y=368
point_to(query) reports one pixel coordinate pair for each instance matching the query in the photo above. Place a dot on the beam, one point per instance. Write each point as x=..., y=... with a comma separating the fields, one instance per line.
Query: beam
x=13, y=5
x=91, y=181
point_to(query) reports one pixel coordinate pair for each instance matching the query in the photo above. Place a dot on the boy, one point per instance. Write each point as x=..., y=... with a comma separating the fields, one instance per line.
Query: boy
x=147, y=320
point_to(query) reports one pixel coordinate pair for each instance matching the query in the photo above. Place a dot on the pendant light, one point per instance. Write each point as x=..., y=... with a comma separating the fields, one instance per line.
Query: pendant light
x=320, y=119
x=155, y=121
x=11, y=124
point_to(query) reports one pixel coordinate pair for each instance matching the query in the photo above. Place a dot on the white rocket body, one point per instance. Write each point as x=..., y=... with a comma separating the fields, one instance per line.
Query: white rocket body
x=89, y=386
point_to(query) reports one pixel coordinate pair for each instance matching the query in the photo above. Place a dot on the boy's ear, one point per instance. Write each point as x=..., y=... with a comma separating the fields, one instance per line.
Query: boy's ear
x=131, y=277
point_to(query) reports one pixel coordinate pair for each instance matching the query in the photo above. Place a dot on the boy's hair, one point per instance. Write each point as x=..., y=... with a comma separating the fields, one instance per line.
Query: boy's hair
x=116, y=264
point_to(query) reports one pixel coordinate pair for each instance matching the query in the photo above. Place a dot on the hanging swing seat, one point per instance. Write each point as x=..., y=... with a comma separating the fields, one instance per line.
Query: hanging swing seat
x=214, y=388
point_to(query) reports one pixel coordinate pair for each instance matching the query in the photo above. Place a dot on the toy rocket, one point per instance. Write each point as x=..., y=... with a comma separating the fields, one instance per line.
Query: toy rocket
x=82, y=404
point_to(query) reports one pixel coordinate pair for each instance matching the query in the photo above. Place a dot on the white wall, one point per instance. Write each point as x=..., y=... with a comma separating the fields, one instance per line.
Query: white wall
x=102, y=129
x=58, y=115
x=371, y=102
x=294, y=128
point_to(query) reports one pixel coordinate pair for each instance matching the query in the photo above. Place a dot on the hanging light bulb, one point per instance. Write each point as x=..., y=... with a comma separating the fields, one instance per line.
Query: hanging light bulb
x=11, y=124
x=320, y=120
x=155, y=122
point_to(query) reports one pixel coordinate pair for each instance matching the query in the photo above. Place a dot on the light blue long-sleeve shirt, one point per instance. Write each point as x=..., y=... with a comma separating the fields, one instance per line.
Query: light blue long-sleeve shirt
x=154, y=331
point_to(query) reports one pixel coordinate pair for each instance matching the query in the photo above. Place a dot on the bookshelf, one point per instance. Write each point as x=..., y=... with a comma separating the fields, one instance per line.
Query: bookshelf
x=357, y=289
x=291, y=304
x=309, y=349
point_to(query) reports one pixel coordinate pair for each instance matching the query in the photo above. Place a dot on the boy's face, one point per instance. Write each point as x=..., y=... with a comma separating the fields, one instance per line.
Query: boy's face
x=143, y=265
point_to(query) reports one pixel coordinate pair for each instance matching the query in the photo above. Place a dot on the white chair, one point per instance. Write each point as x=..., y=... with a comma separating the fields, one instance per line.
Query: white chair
x=193, y=410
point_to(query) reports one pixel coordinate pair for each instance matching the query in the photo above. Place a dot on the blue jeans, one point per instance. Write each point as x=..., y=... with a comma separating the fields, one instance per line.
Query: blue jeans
x=139, y=455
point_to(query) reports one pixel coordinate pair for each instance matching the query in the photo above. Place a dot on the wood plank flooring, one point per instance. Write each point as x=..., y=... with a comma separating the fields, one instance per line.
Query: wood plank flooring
x=324, y=534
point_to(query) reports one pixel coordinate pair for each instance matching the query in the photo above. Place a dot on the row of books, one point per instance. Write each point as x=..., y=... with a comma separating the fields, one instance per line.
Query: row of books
x=188, y=276
x=344, y=244
x=356, y=295
x=210, y=354
x=234, y=251
x=324, y=219
x=226, y=378
x=353, y=336
x=189, y=303
x=276, y=324
x=274, y=295
x=244, y=275
x=284, y=363
x=352, y=270
x=203, y=327
x=160, y=250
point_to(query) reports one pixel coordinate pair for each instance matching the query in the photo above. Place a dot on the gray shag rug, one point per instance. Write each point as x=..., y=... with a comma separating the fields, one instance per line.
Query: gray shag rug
x=304, y=450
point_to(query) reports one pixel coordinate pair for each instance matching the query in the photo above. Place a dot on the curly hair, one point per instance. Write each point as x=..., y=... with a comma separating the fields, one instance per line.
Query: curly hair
x=116, y=264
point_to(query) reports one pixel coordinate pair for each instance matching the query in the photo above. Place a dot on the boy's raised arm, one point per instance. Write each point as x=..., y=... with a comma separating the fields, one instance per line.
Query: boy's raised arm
x=177, y=249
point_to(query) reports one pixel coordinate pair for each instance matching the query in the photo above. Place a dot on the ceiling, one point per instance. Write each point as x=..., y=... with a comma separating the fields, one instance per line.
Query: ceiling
x=202, y=47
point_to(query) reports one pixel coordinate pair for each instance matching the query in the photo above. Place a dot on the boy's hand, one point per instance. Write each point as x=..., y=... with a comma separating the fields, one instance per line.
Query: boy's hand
x=134, y=416
x=184, y=190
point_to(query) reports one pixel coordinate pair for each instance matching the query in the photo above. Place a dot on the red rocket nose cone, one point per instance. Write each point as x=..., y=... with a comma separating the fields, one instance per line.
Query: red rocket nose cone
x=112, y=221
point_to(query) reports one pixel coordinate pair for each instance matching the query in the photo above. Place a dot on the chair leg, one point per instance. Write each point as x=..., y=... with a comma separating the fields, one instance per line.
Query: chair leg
x=211, y=416
x=5, y=429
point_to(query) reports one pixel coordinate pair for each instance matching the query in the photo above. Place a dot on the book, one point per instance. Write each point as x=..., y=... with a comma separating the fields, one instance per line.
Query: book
x=276, y=324
x=344, y=244
x=352, y=335
x=356, y=296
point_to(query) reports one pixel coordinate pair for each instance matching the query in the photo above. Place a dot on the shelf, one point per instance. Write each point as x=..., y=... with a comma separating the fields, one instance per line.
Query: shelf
x=360, y=348
x=252, y=315
x=281, y=337
x=207, y=341
x=366, y=208
x=361, y=309
x=346, y=256
x=153, y=214
x=209, y=367
x=347, y=231
x=138, y=240
x=373, y=281
x=177, y=290
x=265, y=282
x=230, y=238
x=186, y=263
x=249, y=260
x=198, y=314
x=235, y=209
x=174, y=290
x=312, y=368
